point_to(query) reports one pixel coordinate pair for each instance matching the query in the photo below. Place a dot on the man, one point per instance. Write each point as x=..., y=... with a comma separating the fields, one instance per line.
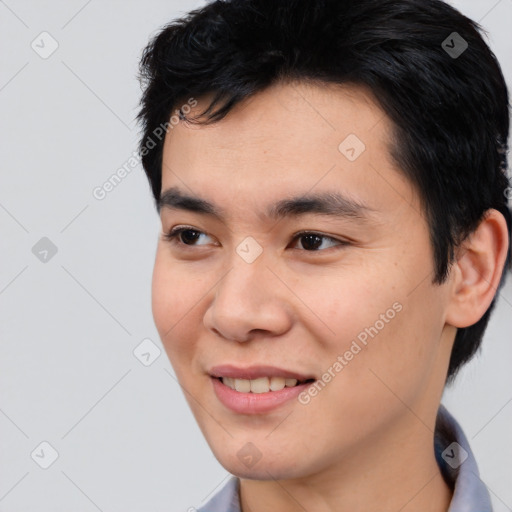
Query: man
x=333, y=196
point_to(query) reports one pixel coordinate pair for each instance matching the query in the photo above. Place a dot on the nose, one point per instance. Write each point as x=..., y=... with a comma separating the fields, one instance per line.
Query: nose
x=249, y=301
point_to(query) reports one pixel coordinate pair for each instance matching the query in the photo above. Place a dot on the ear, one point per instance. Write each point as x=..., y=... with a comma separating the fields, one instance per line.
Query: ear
x=477, y=271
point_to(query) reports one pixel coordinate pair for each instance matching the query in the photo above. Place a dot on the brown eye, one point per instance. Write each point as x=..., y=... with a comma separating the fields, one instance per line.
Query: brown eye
x=312, y=242
x=188, y=236
x=184, y=236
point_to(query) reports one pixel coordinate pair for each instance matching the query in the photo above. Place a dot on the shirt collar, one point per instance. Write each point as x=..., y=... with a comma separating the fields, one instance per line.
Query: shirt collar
x=453, y=455
x=458, y=466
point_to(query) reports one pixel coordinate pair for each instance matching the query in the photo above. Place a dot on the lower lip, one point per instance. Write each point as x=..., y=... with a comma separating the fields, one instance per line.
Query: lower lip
x=255, y=403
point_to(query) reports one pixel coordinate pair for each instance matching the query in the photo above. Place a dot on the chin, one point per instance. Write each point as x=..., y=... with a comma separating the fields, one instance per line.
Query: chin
x=269, y=467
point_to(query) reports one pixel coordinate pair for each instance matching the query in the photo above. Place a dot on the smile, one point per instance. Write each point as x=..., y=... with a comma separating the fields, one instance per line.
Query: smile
x=261, y=401
x=261, y=385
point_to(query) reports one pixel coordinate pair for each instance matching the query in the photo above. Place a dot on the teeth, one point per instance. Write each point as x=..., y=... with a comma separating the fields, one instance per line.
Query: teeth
x=277, y=383
x=260, y=385
x=243, y=385
x=229, y=382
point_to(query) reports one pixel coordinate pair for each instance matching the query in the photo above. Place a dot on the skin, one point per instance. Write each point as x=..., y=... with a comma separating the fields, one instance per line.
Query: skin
x=370, y=429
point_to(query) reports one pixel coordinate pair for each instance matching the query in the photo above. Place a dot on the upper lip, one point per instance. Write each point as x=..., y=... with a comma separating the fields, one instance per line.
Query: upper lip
x=255, y=372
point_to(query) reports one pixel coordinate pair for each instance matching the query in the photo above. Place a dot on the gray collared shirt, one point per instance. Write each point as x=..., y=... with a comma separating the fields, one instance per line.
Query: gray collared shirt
x=453, y=454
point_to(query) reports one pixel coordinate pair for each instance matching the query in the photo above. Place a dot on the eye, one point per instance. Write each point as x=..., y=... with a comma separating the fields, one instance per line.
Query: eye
x=312, y=241
x=183, y=235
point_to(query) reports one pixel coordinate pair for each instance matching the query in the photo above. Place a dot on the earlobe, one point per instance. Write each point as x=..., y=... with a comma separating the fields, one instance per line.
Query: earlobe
x=477, y=271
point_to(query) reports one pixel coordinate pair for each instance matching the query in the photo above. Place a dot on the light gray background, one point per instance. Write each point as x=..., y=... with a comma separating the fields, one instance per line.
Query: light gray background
x=125, y=438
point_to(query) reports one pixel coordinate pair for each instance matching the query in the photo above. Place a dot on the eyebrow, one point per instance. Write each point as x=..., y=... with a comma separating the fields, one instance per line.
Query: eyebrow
x=331, y=204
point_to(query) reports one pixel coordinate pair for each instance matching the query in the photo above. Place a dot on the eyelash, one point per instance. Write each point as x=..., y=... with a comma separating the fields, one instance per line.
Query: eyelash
x=173, y=237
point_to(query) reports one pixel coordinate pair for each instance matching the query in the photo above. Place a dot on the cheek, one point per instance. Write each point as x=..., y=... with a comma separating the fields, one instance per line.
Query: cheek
x=175, y=302
x=373, y=318
x=342, y=303
x=398, y=358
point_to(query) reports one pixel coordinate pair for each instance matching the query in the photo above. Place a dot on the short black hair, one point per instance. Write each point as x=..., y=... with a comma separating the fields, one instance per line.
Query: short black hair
x=448, y=103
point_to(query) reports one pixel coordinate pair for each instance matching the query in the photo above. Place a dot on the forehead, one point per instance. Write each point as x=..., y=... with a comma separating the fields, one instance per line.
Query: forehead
x=295, y=137
x=301, y=110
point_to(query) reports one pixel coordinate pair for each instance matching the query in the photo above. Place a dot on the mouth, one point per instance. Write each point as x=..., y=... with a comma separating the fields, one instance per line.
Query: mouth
x=259, y=395
x=258, y=378
x=262, y=384
x=257, y=389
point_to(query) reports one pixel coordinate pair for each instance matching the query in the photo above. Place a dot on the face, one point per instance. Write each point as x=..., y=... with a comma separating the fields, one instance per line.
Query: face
x=339, y=293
